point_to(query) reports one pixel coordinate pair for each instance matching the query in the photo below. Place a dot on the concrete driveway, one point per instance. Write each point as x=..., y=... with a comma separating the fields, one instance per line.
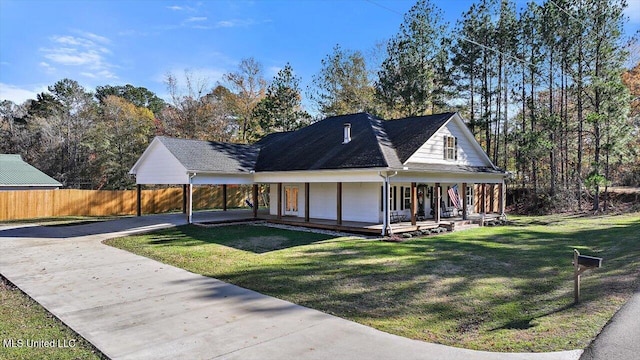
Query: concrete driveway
x=131, y=307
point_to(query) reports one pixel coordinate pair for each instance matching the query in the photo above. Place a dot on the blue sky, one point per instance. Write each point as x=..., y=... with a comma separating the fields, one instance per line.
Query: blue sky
x=138, y=42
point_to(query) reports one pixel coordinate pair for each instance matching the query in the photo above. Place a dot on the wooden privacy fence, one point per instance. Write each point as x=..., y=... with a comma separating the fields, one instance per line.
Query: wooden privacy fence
x=29, y=204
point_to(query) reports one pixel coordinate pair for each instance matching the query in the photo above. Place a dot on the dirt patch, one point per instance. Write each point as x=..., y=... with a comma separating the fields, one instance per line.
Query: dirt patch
x=258, y=243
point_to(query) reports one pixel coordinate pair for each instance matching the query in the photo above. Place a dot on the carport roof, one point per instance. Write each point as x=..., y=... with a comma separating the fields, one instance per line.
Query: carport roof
x=210, y=156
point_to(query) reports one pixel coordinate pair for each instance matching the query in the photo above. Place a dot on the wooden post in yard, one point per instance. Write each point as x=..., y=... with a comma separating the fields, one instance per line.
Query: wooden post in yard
x=576, y=277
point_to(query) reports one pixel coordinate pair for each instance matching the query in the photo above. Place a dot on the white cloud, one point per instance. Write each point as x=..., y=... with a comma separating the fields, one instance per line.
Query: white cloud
x=234, y=23
x=85, y=52
x=196, y=19
x=18, y=94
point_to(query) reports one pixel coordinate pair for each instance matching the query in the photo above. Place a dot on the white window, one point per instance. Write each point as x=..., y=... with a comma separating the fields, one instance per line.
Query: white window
x=470, y=196
x=406, y=198
x=450, y=148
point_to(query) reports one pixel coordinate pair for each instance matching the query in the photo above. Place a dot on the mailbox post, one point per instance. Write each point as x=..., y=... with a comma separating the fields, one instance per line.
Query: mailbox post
x=581, y=263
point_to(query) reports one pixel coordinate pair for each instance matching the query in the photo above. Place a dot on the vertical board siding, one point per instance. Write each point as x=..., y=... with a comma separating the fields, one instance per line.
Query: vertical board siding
x=32, y=204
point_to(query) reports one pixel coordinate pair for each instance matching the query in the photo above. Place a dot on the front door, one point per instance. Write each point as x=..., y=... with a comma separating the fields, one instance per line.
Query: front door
x=291, y=200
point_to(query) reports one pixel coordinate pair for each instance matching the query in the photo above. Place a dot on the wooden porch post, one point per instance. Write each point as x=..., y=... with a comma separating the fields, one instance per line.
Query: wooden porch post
x=306, y=202
x=255, y=201
x=224, y=197
x=464, y=201
x=484, y=199
x=139, y=199
x=279, y=202
x=436, y=213
x=184, y=198
x=501, y=199
x=414, y=203
x=339, y=204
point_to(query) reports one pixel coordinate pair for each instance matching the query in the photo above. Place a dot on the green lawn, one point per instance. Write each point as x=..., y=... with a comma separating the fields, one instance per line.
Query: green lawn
x=495, y=288
x=26, y=322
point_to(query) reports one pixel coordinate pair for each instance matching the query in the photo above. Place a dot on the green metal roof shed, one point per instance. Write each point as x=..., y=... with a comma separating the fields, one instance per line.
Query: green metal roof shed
x=15, y=174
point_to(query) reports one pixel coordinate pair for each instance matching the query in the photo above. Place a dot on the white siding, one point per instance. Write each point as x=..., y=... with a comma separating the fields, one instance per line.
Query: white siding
x=323, y=201
x=432, y=152
x=160, y=167
x=219, y=179
x=360, y=202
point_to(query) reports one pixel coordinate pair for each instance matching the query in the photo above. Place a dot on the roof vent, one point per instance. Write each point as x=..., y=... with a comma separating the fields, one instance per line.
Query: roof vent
x=347, y=133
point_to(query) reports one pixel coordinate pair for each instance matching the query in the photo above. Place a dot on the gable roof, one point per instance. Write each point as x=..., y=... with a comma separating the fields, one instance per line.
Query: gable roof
x=375, y=143
x=210, y=156
x=15, y=172
x=408, y=134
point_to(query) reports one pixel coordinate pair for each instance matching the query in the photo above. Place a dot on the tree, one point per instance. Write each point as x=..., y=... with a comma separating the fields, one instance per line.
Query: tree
x=63, y=118
x=117, y=141
x=281, y=109
x=138, y=96
x=415, y=76
x=248, y=87
x=343, y=86
x=196, y=112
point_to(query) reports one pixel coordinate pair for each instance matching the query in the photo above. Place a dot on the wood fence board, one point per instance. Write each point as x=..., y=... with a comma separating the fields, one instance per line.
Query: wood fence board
x=30, y=204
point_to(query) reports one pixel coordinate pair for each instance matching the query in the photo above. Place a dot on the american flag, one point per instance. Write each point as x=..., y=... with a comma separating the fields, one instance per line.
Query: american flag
x=453, y=196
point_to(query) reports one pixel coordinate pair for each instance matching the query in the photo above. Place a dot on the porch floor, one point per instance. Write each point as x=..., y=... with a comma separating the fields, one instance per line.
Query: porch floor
x=375, y=228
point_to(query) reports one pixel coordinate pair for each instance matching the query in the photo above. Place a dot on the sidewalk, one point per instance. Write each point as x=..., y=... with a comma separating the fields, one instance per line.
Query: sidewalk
x=131, y=307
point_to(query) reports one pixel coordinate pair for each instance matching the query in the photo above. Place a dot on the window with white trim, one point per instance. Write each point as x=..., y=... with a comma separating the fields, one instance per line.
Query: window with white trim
x=406, y=198
x=450, y=148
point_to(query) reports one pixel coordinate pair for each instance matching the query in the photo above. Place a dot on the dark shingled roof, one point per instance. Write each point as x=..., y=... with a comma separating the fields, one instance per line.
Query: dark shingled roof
x=212, y=156
x=454, y=168
x=319, y=146
x=375, y=143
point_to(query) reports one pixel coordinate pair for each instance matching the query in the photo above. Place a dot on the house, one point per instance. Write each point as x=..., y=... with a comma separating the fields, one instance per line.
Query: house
x=15, y=174
x=343, y=168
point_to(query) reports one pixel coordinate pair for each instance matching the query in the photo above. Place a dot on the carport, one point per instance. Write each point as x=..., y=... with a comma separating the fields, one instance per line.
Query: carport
x=169, y=161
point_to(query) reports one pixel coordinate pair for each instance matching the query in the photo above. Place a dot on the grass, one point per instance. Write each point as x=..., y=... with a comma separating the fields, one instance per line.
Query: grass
x=495, y=288
x=22, y=320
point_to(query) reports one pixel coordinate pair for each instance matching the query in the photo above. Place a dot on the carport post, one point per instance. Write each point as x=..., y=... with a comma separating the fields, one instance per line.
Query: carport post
x=184, y=198
x=224, y=197
x=190, y=201
x=255, y=201
x=139, y=199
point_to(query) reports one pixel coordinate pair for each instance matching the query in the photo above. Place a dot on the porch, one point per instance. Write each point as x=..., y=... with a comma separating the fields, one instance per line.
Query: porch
x=368, y=228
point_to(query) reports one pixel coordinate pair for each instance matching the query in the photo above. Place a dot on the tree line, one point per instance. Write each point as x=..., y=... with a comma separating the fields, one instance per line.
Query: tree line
x=546, y=90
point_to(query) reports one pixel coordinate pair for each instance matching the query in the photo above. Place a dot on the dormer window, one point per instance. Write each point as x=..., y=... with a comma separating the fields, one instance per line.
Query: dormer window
x=450, y=148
